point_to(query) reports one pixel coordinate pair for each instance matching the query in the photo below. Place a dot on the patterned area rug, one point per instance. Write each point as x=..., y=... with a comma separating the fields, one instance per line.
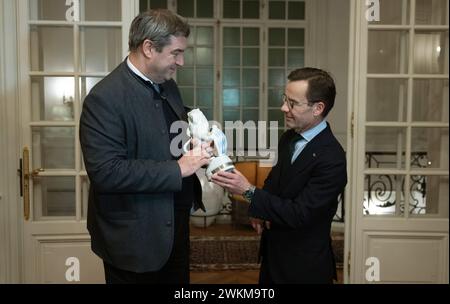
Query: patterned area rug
x=237, y=252
x=224, y=252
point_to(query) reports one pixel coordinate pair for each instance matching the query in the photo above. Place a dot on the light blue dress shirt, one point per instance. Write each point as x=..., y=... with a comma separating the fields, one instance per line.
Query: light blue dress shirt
x=307, y=137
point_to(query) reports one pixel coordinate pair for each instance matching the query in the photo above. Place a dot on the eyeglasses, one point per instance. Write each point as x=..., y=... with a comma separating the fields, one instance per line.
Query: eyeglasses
x=291, y=102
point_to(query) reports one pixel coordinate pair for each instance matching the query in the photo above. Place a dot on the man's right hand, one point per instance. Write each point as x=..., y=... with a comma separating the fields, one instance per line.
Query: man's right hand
x=195, y=159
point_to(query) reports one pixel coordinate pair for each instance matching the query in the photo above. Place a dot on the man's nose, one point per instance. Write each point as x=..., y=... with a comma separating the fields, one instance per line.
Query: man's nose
x=180, y=60
x=284, y=108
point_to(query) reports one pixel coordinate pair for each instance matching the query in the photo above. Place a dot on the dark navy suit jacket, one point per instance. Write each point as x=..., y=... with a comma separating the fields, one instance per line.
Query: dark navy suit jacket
x=300, y=200
x=133, y=175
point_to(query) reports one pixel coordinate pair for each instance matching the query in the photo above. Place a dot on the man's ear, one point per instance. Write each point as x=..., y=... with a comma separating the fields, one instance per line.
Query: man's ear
x=318, y=109
x=147, y=48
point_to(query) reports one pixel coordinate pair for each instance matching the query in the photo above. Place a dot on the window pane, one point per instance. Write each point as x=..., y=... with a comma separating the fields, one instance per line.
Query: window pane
x=296, y=58
x=386, y=99
x=86, y=85
x=54, y=196
x=251, y=36
x=101, y=49
x=431, y=12
x=296, y=10
x=185, y=77
x=250, y=77
x=189, y=56
x=52, y=98
x=205, y=35
x=393, y=12
x=430, y=52
x=250, y=115
x=231, y=9
x=276, y=57
x=205, y=77
x=205, y=8
x=430, y=148
x=277, y=10
x=250, y=97
x=250, y=57
x=231, y=36
x=384, y=195
x=47, y=10
x=296, y=37
x=51, y=48
x=188, y=96
x=430, y=100
x=250, y=9
x=429, y=196
x=276, y=37
x=276, y=115
x=275, y=97
x=385, y=147
x=205, y=97
x=231, y=57
x=101, y=10
x=231, y=77
x=387, y=52
x=205, y=56
x=53, y=147
x=186, y=8
x=231, y=115
x=231, y=98
x=277, y=77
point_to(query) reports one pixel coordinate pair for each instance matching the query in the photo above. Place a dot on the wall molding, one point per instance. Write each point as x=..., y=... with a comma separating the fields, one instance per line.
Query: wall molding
x=10, y=213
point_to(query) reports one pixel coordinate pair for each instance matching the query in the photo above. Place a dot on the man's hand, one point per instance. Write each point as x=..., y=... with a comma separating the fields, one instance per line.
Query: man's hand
x=235, y=182
x=259, y=225
x=195, y=159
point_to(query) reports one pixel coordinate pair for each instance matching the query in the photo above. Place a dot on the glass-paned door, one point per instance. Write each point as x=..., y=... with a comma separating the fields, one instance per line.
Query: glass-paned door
x=402, y=119
x=68, y=47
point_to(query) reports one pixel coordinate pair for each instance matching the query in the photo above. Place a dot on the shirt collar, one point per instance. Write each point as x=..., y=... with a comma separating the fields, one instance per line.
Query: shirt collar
x=308, y=135
x=137, y=72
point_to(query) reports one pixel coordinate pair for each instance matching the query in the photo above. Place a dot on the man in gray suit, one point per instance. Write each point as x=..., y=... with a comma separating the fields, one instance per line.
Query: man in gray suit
x=141, y=192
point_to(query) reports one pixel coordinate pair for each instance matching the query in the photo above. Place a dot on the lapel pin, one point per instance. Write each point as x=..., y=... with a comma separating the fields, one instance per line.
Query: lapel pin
x=314, y=155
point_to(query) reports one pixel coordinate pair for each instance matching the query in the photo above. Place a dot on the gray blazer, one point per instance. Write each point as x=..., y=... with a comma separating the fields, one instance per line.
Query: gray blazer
x=126, y=149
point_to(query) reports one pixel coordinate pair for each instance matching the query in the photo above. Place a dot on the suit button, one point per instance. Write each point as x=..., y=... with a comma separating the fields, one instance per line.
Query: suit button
x=169, y=224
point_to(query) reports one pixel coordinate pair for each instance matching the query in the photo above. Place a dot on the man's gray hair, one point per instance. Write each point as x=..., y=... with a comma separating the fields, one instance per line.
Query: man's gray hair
x=157, y=26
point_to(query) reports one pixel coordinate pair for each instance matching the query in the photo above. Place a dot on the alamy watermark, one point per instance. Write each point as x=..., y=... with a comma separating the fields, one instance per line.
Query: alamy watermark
x=73, y=270
x=373, y=270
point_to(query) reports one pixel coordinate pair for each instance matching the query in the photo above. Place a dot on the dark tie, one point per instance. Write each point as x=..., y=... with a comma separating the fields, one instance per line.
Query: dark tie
x=295, y=139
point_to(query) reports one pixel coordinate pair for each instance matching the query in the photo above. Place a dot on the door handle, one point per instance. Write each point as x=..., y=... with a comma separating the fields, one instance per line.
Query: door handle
x=26, y=183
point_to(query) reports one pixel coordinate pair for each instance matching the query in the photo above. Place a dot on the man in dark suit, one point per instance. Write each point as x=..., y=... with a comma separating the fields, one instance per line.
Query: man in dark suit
x=296, y=206
x=141, y=192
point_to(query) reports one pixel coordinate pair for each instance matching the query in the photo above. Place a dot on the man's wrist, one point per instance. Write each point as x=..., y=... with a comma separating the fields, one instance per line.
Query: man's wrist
x=249, y=193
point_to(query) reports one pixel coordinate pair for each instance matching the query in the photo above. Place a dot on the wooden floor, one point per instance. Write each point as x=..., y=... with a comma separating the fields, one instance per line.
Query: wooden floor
x=228, y=276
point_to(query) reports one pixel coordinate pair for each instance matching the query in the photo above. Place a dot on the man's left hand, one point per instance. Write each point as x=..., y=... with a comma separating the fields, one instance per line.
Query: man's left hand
x=235, y=182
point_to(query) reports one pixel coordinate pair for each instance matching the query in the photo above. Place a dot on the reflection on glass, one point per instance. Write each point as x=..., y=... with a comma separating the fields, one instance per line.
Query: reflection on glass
x=277, y=77
x=387, y=51
x=189, y=56
x=205, y=56
x=277, y=10
x=52, y=98
x=53, y=147
x=393, y=12
x=386, y=99
x=430, y=52
x=250, y=9
x=231, y=98
x=429, y=196
x=276, y=57
x=430, y=148
x=54, y=197
x=431, y=12
x=296, y=10
x=296, y=58
x=205, y=35
x=51, y=48
x=430, y=100
x=101, y=10
x=101, y=48
x=385, y=147
x=231, y=9
x=231, y=77
x=231, y=57
x=205, y=8
x=277, y=37
x=384, y=195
